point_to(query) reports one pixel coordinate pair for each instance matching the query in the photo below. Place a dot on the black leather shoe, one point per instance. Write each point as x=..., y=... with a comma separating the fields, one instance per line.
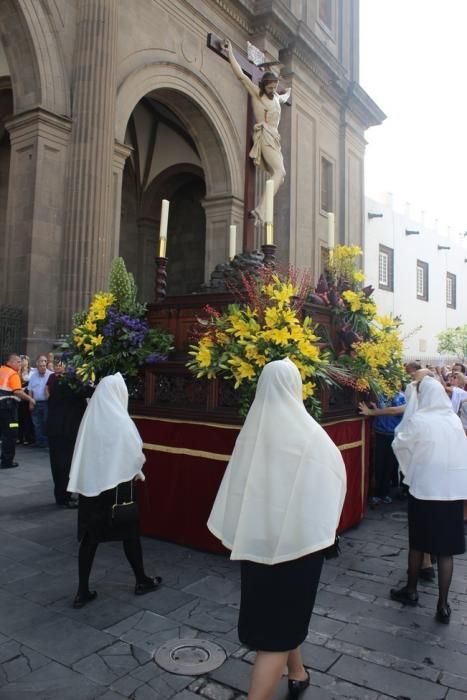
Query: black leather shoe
x=443, y=615
x=402, y=595
x=150, y=585
x=68, y=504
x=297, y=687
x=427, y=574
x=9, y=466
x=81, y=600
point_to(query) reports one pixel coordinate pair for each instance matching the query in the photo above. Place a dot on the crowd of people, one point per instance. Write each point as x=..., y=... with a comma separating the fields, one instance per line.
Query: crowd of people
x=279, y=503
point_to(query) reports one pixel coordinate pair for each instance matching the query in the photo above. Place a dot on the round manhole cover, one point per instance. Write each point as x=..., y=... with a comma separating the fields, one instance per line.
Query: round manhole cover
x=190, y=657
x=399, y=515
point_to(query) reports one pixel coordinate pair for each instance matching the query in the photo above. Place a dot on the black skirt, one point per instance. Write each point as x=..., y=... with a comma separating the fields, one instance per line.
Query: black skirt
x=95, y=516
x=277, y=602
x=436, y=527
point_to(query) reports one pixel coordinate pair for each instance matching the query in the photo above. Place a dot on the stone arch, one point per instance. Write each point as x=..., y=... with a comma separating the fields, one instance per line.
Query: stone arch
x=198, y=106
x=34, y=57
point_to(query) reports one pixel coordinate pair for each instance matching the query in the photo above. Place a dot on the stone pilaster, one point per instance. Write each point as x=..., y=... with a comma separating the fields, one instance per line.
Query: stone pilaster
x=121, y=153
x=34, y=221
x=89, y=236
x=220, y=213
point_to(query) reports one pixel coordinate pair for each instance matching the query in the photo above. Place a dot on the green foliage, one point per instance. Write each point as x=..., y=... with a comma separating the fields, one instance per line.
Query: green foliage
x=453, y=340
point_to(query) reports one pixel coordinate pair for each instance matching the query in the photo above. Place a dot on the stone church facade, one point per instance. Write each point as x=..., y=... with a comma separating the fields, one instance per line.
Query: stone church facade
x=109, y=106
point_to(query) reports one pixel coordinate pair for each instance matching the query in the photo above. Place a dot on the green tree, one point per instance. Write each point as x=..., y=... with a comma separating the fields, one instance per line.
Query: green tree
x=453, y=340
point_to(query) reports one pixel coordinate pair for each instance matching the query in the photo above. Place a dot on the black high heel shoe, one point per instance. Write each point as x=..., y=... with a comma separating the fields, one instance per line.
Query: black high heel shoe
x=297, y=687
x=443, y=614
x=81, y=599
x=148, y=586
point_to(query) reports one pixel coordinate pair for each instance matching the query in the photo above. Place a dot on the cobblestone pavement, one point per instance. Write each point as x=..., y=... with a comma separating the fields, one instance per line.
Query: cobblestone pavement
x=360, y=645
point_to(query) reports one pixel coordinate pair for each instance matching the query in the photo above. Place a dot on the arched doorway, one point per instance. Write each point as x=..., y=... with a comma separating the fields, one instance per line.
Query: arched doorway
x=164, y=164
x=184, y=148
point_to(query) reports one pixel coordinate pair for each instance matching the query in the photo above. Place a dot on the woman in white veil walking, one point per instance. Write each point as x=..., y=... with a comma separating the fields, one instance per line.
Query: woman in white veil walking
x=431, y=448
x=277, y=509
x=108, y=457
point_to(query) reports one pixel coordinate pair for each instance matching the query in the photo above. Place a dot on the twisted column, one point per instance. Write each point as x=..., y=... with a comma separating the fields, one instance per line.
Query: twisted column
x=89, y=234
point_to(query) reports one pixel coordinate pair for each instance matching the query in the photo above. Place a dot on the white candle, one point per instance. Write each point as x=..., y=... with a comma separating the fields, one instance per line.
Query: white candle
x=269, y=213
x=232, y=241
x=164, y=218
x=331, y=230
x=163, y=228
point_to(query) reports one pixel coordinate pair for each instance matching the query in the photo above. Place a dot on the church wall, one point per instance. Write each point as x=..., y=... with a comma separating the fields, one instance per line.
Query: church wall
x=161, y=47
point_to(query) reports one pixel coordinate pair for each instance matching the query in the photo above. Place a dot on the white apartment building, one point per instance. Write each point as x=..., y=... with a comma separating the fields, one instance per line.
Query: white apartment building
x=419, y=273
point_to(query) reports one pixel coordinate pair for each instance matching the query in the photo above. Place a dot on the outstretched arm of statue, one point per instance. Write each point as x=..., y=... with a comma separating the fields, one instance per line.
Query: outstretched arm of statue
x=237, y=69
x=284, y=97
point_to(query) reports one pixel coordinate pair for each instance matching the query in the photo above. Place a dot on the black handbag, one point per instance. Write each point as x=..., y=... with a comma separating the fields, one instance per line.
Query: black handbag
x=125, y=513
x=333, y=551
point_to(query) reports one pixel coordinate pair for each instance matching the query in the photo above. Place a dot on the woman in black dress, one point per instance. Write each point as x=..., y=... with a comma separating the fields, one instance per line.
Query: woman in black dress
x=277, y=509
x=107, y=459
x=431, y=448
x=67, y=405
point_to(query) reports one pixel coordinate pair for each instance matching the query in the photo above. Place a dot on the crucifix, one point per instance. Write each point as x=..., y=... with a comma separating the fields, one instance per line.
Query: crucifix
x=263, y=115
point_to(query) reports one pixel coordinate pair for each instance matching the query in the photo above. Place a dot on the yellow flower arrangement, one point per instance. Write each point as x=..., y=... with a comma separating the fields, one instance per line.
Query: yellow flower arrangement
x=238, y=343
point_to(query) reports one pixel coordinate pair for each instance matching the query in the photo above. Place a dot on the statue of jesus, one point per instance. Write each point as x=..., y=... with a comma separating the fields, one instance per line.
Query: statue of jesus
x=266, y=151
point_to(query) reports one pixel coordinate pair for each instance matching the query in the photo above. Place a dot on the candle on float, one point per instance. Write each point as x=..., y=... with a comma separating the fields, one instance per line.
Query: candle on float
x=331, y=230
x=163, y=228
x=232, y=241
x=269, y=212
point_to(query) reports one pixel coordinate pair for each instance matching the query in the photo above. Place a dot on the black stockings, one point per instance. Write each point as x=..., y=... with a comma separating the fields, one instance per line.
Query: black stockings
x=415, y=563
x=445, y=567
x=87, y=551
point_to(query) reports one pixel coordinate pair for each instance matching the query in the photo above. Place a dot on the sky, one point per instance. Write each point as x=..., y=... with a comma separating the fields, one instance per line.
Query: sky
x=413, y=63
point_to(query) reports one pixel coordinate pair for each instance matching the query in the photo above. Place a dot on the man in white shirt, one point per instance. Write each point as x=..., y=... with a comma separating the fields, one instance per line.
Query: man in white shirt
x=36, y=389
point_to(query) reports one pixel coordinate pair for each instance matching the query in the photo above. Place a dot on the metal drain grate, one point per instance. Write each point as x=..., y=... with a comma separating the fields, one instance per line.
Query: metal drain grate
x=190, y=657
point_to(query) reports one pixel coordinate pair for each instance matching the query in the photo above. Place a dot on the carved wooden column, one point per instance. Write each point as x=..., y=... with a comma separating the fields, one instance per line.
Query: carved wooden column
x=89, y=239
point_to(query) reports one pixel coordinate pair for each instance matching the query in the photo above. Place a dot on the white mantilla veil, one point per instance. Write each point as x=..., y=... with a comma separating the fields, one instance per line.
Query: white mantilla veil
x=431, y=447
x=108, y=450
x=283, y=490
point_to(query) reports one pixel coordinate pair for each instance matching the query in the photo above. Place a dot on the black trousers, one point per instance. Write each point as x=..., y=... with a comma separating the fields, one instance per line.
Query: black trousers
x=385, y=464
x=8, y=430
x=61, y=453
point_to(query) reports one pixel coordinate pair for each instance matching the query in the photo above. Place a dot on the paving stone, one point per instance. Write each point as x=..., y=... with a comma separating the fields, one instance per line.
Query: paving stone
x=317, y=657
x=16, y=571
x=167, y=684
x=233, y=673
x=456, y=695
x=16, y=613
x=147, y=672
x=95, y=668
x=126, y=685
x=404, y=648
x=220, y=590
x=186, y=695
x=63, y=640
x=102, y=614
x=51, y=682
x=145, y=692
x=453, y=681
x=383, y=679
x=214, y=691
x=43, y=588
x=207, y=616
x=164, y=600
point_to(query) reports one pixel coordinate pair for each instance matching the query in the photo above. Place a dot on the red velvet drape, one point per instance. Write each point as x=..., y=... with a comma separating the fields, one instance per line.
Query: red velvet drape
x=185, y=464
